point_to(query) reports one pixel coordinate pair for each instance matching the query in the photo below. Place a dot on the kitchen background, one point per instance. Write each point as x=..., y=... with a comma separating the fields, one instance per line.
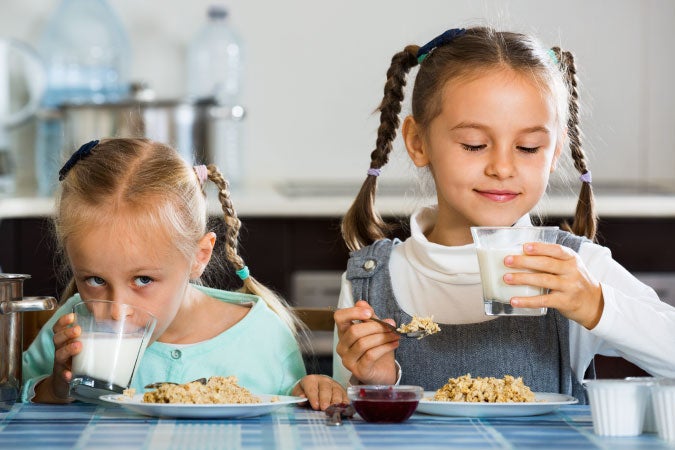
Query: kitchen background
x=315, y=71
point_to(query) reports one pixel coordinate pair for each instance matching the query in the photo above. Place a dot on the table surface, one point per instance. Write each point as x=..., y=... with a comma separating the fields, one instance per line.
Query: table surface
x=84, y=426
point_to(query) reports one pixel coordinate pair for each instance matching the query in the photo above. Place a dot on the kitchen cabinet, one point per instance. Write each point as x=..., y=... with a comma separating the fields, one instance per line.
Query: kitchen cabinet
x=275, y=248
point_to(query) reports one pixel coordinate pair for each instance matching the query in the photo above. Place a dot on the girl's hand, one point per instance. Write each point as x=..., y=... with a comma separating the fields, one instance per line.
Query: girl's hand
x=65, y=347
x=321, y=391
x=572, y=290
x=366, y=348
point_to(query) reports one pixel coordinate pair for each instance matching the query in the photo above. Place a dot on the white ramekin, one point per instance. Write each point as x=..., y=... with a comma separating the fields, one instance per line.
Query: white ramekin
x=663, y=399
x=617, y=406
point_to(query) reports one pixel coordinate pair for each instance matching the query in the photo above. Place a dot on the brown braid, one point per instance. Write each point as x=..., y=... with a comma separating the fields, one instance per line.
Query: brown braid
x=250, y=284
x=232, y=222
x=362, y=224
x=585, y=219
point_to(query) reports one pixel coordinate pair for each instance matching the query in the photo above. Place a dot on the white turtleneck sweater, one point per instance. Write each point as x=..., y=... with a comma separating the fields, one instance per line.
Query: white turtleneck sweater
x=429, y=279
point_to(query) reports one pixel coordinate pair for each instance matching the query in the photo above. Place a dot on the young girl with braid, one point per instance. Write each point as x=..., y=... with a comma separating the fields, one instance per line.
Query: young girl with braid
x=491, y=114
x=131, y=219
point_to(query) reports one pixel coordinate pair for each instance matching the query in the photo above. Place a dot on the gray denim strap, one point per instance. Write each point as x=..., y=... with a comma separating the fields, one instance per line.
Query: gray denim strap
x=520, y=346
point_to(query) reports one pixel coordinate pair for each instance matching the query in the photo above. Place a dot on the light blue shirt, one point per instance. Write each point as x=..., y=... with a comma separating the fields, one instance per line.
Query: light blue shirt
x=260, y=350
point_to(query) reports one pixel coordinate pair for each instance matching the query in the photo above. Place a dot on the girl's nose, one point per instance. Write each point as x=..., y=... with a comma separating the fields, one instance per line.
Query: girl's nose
x=120, y=309
x=500, y=163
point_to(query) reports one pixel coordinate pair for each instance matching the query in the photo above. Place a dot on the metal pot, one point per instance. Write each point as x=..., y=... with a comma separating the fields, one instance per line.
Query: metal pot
x=12, y=304
x=202, y=131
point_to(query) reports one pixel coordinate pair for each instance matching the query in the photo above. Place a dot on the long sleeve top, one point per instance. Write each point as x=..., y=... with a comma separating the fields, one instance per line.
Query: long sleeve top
x=429, y=279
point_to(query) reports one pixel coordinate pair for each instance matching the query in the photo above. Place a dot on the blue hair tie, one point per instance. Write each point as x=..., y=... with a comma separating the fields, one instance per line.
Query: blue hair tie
x=243, y=273
x=81, y=153
x=442, y=39
x=553, y=56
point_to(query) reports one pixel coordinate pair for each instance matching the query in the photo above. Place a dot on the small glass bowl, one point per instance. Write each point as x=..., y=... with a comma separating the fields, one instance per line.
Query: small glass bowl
x=618, y=407
x=385, y=403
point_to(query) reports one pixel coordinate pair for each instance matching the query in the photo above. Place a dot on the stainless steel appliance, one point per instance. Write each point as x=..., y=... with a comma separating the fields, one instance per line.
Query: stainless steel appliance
x=12, y=305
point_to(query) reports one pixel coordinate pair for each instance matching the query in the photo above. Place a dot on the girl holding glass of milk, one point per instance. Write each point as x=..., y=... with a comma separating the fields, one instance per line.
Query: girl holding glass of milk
x=491, y=114
x=131, y=219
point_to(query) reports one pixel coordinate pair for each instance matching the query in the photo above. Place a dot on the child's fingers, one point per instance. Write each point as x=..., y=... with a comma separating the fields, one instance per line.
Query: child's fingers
x=66, y=334
x=64, y=353
x=64, y=321
x=352, y=345
x=371, y=363
x=322, y=391
x=345, y=317
x=544, y=249
x=330, y=392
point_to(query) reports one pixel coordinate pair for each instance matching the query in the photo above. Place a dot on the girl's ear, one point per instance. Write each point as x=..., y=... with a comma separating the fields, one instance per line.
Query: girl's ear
x=414, y=142
x=203, y=256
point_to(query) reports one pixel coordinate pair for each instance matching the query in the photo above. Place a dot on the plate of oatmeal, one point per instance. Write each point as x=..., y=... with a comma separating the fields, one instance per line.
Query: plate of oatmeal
x=217, y=398
x=466, y=396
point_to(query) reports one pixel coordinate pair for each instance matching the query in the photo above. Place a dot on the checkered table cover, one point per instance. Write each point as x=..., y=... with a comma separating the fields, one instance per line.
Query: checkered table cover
x=84, y=426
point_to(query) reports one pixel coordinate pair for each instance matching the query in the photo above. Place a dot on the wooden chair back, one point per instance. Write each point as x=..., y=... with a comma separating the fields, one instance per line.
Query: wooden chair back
x=316, y=319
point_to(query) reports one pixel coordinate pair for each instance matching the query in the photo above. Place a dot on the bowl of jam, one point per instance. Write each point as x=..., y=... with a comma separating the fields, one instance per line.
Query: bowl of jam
x=385, y=403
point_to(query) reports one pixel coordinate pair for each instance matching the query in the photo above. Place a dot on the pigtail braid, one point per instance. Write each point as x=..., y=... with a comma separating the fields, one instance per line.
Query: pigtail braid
x=585, y=219
x=362, y=224
x=250, y=284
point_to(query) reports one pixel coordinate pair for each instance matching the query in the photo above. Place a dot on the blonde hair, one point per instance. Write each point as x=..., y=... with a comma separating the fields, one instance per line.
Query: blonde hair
x=160, y=190
x=468, y=56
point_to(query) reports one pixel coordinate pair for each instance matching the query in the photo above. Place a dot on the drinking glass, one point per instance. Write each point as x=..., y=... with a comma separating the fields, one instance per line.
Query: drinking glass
x=114, y=338
x=493, y=244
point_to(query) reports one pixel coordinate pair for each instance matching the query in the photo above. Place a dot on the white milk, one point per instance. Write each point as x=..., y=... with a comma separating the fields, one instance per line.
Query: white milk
x=492, y=270
x=108, y=357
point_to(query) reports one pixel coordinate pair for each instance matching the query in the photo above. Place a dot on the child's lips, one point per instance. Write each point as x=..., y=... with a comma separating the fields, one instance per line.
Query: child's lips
x=498, y=195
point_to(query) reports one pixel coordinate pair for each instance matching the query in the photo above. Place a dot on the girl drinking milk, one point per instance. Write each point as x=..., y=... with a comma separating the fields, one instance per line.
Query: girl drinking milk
x=132, y=221
x=491, y=114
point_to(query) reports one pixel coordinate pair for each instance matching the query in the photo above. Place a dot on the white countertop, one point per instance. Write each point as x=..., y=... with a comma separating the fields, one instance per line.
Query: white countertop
x=272, y=202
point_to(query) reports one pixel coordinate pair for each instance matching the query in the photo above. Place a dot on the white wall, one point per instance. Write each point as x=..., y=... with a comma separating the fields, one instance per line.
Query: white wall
x=316, y=71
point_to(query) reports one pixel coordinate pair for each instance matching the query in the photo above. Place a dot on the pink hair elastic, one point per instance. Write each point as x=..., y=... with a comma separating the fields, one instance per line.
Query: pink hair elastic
x=202, y=173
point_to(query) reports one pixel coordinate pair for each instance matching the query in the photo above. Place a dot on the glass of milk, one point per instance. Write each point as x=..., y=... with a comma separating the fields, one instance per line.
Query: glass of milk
x=114, y=337
x=493, y=244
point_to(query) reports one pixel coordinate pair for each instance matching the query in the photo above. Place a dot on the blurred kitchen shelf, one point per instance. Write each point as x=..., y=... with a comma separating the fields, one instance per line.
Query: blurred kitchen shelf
x=333, y=199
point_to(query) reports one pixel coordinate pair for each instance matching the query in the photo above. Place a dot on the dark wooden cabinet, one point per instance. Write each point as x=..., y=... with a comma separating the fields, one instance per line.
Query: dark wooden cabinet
x=274, y=248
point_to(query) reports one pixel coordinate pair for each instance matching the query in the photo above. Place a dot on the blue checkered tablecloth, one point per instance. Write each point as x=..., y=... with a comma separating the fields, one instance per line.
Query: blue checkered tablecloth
x=84, y=426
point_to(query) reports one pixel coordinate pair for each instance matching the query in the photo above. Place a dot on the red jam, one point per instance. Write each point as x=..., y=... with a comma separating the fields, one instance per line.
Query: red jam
x=385, y=405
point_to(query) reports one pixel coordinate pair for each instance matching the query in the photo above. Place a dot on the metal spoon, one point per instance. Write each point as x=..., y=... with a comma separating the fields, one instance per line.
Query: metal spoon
x=412, y=334
x=159, y=383
x=337, y=411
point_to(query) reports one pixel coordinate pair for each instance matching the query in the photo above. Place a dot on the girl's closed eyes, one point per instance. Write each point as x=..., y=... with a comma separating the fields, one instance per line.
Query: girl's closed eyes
x=491, y=113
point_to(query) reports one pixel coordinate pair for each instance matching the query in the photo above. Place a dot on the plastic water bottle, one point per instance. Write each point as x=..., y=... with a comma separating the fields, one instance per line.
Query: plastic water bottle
x=215, y=60
x=214, y=74
x=87, y=56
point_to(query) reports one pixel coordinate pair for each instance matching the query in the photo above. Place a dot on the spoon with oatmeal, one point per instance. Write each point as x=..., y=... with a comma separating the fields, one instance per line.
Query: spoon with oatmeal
x=419, y=327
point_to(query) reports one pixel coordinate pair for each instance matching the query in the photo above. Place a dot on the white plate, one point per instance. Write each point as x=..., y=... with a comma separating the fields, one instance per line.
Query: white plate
x=544, y=403
x=218, y=411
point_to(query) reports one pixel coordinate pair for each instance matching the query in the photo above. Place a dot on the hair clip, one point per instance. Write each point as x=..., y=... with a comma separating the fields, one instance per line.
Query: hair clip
x=202, y=173
x=442, y=39
x=81, y=153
